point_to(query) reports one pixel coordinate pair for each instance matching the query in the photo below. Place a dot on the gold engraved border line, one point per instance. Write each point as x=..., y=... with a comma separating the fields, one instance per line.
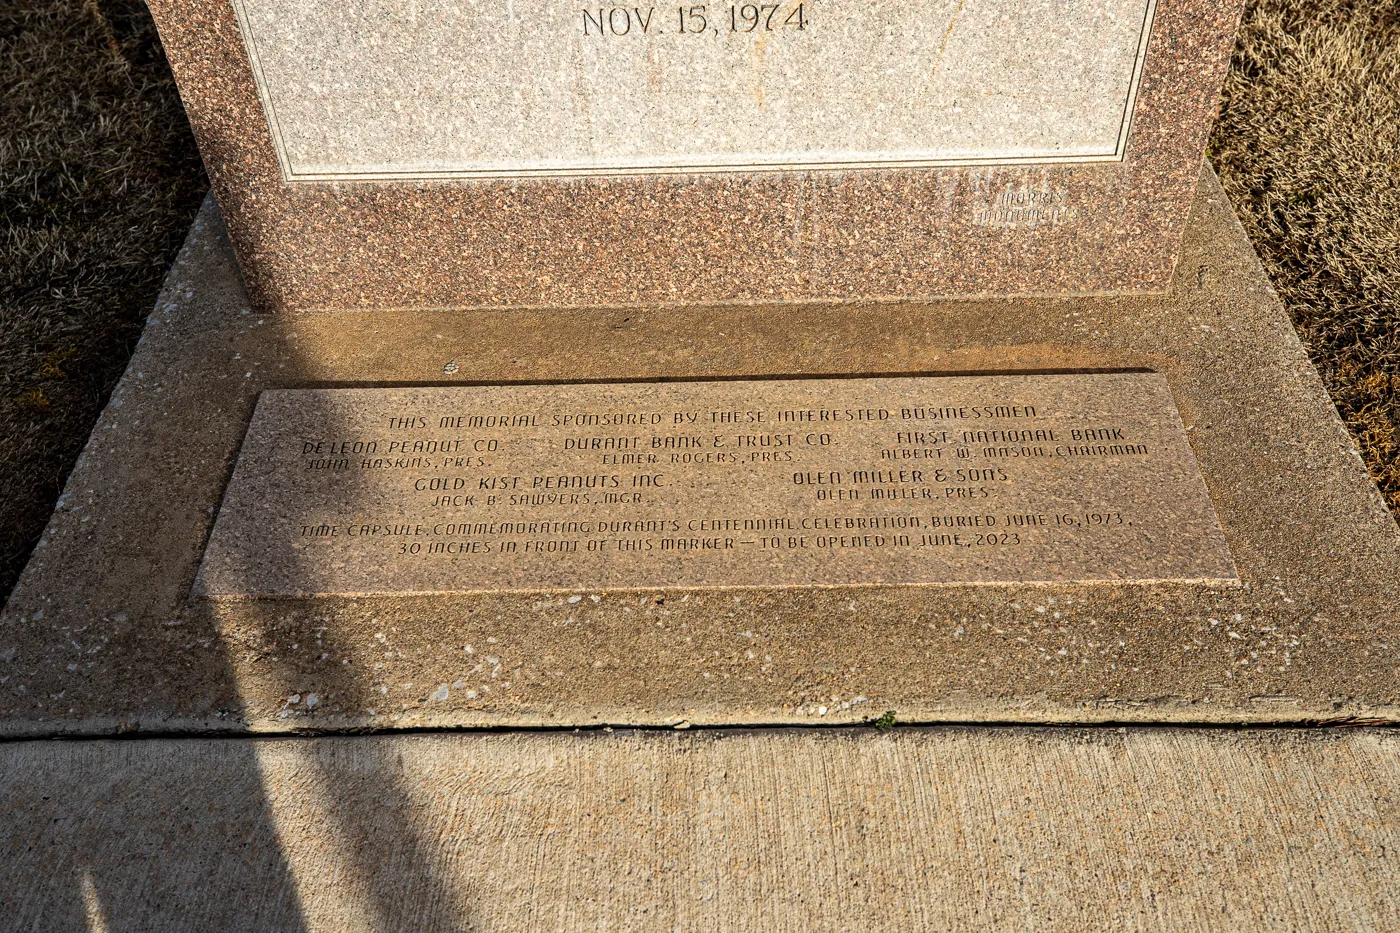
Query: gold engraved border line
x=1130, y=105
x=250, y=45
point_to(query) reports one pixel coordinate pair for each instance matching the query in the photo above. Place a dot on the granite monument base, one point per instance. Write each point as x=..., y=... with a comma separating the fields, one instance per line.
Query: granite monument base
x=373, y=154
x=107, y=631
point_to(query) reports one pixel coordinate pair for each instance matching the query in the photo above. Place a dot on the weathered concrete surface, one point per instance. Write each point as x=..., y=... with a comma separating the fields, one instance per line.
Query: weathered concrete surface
x=99, y=635
x=981, y=830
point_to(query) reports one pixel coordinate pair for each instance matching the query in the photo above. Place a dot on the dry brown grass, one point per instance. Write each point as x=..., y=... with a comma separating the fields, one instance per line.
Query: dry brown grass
x=99, y=179
x=1308, y=148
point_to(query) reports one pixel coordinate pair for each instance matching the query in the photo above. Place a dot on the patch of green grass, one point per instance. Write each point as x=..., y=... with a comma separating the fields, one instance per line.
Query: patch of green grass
x=99, y=179
x=1308, y=149
x=886, y=720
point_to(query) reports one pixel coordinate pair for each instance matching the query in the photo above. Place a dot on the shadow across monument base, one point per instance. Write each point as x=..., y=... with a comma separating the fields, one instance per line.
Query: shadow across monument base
x=1309, y=633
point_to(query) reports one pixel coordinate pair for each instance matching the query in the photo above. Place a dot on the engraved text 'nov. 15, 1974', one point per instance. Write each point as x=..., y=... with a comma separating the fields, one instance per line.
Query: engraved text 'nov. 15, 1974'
x=388, y=89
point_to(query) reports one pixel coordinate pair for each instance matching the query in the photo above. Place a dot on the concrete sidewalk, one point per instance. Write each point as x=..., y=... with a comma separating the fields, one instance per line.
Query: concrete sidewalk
x=988, y=829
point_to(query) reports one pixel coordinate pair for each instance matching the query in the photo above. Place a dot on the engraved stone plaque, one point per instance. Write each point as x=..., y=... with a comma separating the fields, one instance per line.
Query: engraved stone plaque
x=755, y=483
x=417, y=89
